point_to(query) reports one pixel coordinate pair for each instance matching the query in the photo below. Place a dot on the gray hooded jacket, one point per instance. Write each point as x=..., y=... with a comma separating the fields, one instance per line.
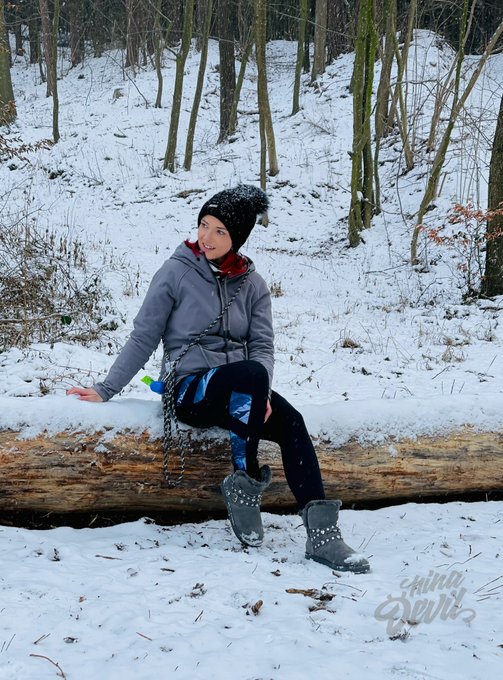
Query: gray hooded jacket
x=184, y=297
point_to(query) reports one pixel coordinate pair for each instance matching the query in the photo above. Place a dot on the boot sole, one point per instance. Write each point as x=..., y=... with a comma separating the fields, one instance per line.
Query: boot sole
x=248, y=544
x=362, y=569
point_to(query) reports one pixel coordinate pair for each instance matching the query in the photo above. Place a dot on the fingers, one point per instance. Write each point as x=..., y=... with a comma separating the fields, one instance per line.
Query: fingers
x=90, y=397
x=85, y=394
x=81, y=391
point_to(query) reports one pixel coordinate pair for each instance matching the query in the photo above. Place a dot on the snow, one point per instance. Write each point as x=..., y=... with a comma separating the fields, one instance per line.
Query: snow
x=139, y=600
x=372, y=421
x=367, y=347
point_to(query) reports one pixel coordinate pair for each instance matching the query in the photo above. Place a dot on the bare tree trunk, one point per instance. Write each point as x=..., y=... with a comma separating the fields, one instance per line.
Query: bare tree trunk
x=200, y=19
x=98, y=27
x=304, y=9
x=233, y=119
x=359, y=211
x=411, y=19
x=50, y=35
x=175, y=11
x=244, y=23
x=355, y=222
x=7, y=102
x=306, y=66
x=43, y=77
x=205, y=31
x=383, y=93
x=263, y=151
x=402, y=58
x=368, y=166
x=402, y=118
x=493, y=276
x=261, y=119
x=158, y=51
x=340, y=29
x=445, y=88
x=384, y=88
x=16, y=25
x=260, y=8
x=133, y=10
x=320, y=39
x=33, y=32
x=181, y=58
x=54, y=73
x=75, y=11
x=47, y=41
x=227, y=64
x=149, y=31
x=246, y=41
x=438, y=161
x=159, y=42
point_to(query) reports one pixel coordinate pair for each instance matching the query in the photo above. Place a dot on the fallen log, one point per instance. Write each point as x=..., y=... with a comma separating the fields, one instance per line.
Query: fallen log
x=78, y=473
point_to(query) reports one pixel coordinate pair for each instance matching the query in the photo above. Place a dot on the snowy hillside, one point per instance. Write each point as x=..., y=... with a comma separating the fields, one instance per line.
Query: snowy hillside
x=351, y=324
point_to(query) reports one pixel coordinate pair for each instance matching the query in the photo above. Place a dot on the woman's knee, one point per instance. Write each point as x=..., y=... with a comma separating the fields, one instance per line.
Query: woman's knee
x=256, y=372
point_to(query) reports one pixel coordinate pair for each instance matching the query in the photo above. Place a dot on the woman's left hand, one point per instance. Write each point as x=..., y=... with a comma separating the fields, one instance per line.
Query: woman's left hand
x=268, y=410
x=85, y=393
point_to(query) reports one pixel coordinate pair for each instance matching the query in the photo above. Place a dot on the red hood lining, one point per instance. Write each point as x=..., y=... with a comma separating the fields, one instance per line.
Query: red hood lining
x=233, y=264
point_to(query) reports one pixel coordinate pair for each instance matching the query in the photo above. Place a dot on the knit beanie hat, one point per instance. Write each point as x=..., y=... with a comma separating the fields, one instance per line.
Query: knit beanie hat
x=238, y=209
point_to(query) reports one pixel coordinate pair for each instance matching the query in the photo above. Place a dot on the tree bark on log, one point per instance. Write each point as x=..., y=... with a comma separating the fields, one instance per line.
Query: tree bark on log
x=78, y=473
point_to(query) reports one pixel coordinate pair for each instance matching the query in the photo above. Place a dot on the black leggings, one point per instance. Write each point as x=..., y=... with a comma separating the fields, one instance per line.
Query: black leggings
x=234, y=396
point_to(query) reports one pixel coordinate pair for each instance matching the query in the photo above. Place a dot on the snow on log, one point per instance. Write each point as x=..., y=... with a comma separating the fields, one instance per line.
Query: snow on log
x=72, y=472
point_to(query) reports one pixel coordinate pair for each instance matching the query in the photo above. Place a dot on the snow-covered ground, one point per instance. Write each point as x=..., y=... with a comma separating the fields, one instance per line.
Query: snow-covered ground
x=143, y=601
x=367, y=346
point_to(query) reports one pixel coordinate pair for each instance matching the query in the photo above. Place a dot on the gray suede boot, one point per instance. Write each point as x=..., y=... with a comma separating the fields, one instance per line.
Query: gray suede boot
x=324, y=541
x=242, y=496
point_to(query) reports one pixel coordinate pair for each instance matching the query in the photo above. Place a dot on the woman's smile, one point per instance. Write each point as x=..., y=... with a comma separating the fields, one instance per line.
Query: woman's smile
x=213, y=238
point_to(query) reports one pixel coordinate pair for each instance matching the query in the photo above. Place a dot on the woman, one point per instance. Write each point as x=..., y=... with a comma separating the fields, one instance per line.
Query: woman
x=225, y=378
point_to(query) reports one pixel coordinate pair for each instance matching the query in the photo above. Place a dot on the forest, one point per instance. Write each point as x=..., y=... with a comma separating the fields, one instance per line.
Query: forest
x=142, y=34
x=376, y=129
x=380, y=122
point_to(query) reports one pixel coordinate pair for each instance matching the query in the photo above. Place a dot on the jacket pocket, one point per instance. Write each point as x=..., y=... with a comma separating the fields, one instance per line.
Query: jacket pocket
x=218, y=357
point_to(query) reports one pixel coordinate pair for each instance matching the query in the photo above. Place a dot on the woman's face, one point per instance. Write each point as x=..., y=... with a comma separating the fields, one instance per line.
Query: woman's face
x=213, y=238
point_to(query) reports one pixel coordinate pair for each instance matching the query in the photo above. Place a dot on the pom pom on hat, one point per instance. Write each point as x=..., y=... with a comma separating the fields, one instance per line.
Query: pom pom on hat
x=238, y=209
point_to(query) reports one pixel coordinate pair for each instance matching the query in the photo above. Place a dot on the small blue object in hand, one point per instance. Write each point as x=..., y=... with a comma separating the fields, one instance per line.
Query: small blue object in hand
x=155, y=385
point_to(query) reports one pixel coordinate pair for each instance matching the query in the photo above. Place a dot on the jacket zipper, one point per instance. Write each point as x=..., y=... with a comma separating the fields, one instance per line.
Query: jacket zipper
x=227, y=330
x=223, y=299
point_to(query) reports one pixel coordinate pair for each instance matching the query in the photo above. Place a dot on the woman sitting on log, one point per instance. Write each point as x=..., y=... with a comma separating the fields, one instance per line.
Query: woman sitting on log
x=212, y=311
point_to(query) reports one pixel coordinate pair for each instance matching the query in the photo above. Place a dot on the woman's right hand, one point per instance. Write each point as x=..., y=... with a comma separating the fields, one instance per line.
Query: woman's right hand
x=85, y=393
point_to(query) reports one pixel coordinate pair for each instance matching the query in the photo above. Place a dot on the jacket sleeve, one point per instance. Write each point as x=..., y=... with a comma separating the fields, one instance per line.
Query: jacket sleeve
x=261, y=335
x=149, y=326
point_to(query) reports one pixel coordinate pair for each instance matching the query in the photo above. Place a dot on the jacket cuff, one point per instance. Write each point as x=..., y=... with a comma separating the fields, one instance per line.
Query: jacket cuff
x=102, y=391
